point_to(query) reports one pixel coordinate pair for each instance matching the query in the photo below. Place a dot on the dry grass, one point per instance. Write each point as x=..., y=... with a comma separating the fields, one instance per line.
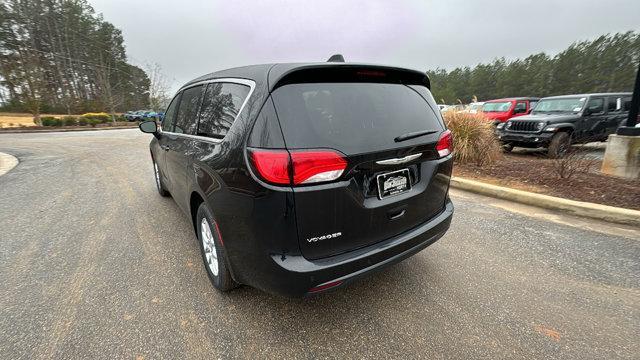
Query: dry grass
x=474, y=141
x=8, y=120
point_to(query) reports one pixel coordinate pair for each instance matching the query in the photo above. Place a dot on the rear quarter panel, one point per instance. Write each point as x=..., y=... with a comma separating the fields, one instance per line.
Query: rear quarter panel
x=254, y=220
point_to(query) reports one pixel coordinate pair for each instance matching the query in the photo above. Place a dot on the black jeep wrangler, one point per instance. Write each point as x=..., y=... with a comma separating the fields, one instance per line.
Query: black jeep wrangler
x=559, y=121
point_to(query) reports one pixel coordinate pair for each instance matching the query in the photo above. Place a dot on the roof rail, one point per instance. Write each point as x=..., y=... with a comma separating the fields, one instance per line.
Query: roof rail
x=336, y=58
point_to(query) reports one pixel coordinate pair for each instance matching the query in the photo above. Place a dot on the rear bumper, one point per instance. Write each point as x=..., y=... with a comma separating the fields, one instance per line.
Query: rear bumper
x=294, y=276
x=525, y=139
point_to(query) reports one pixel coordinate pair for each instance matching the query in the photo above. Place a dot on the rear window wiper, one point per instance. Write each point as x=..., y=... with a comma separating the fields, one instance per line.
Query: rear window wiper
x=413, y=135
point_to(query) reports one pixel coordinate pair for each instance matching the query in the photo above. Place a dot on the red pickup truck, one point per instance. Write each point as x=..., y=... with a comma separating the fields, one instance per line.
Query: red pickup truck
x=507, y=108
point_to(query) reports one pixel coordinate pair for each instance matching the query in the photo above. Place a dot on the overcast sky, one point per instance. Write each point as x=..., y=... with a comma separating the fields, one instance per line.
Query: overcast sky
x=189, y=38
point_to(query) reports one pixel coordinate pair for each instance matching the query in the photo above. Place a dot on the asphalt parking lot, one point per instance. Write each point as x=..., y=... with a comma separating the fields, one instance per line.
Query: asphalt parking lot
x=95, y=264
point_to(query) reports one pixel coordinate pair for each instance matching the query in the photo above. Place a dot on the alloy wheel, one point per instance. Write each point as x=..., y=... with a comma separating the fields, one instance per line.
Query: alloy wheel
x=209, y=246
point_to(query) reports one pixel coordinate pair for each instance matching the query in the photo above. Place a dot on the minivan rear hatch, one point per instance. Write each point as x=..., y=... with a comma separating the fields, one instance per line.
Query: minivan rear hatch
x=386, y=129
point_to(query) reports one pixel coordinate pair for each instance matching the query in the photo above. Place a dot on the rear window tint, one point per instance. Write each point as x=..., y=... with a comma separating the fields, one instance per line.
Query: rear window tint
x=220, y=107
x=266, y=131
x=352, y=117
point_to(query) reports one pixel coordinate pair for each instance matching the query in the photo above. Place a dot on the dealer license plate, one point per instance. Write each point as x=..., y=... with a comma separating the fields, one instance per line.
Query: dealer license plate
x=393, y=183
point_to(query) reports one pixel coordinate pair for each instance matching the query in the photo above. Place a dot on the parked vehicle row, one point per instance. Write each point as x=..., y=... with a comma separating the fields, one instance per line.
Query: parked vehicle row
x=474, y=107
x=141, y=115
x=499, y=110
x=557, y=122
x=504, y=109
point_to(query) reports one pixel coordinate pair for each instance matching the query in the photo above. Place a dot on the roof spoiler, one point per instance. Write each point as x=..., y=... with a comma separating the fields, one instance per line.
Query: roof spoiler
x=348, y=72
x=336, y=58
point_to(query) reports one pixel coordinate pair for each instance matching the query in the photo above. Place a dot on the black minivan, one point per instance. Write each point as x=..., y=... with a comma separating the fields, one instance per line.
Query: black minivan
x=299, y=178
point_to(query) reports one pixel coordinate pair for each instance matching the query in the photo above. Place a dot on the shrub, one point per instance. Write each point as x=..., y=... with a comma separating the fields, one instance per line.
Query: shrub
x=576, y=159
x=474, y=140
x=83, y=121
x=92, y=114
x=69, y=120
x=94, y=122
x=99, y=117
x=49, y=121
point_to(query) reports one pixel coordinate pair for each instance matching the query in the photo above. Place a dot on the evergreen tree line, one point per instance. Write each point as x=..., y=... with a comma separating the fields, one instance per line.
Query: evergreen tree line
x=59, y=56
x=606, y=64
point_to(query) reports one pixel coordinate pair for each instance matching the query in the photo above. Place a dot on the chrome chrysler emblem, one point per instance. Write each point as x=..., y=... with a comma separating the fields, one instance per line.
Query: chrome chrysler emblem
x=401, y=160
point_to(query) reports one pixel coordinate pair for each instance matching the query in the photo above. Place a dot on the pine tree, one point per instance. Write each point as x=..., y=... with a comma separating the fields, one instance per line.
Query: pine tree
x=605, y=64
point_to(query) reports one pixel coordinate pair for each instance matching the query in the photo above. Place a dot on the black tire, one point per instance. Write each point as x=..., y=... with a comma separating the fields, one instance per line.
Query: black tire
x=507, y=147
x=158, y=180
x=222, y=280
x=559, y=145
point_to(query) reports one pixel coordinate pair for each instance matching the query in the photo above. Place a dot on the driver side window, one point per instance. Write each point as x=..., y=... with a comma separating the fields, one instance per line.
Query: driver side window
x=170, y=115
x=596, y=105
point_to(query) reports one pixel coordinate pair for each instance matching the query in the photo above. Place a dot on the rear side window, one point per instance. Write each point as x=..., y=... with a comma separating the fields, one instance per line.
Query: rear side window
x=614, y=104
x=220, y=107
x=618, y=104
x=352, y=117
x=170, y=114
x=187, y=119
x=520, y=107
x=266, y=132
x=596, y=105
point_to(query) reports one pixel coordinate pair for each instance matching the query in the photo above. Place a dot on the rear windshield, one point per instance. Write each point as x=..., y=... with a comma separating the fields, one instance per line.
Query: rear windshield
x=352, y=117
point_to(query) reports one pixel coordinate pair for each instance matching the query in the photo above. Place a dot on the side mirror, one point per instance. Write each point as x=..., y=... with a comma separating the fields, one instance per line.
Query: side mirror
x=149, y=127
x=586, y=112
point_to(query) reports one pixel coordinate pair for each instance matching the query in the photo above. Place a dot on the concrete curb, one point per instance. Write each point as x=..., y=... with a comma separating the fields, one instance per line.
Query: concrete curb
x=21, y=131
x=7, y=162
x=580, y=208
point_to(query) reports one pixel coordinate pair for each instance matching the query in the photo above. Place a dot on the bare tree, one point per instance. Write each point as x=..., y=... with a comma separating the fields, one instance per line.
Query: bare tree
x=158, y=87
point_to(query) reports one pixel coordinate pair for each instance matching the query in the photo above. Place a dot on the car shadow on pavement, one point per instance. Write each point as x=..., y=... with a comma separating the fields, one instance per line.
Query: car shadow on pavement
x=380, y=297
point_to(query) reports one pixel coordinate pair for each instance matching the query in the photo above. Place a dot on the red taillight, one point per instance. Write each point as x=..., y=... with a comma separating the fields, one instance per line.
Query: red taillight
x=309, y=166
x=326, y=286
x=273, y=165
x=316, y=166
x=445, y=144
